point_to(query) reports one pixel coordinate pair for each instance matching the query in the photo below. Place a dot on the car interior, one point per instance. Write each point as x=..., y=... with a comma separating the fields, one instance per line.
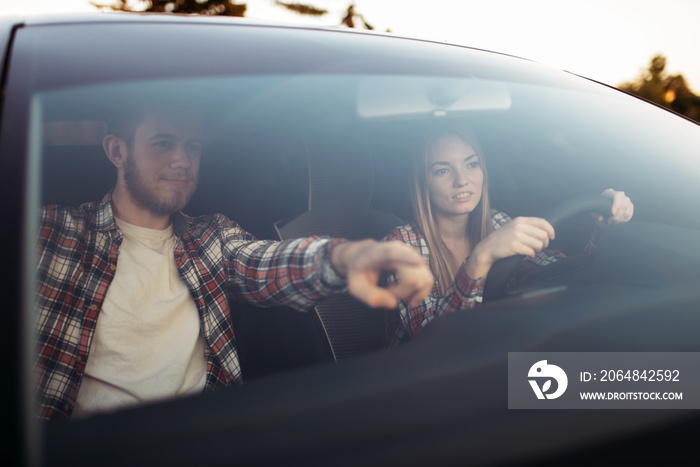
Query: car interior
x=283, y=165
x=287, y=156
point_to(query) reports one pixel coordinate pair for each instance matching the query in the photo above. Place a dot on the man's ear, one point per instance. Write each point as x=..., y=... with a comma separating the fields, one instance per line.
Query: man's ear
x=115, y=148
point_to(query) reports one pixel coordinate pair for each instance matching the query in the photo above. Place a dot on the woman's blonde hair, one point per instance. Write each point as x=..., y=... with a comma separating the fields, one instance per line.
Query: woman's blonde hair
x=443, y=264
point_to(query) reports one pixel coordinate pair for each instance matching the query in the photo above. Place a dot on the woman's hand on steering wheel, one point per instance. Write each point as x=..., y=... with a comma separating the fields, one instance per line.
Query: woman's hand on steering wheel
x=622, y=209
x=500, y=273
x=524, y=236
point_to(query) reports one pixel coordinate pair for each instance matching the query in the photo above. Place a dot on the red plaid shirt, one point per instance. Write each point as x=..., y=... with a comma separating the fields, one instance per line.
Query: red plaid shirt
x=216, y=259
x=465, y=292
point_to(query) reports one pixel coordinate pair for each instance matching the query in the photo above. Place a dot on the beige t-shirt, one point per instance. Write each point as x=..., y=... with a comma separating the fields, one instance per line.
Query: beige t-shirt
x=147, y=344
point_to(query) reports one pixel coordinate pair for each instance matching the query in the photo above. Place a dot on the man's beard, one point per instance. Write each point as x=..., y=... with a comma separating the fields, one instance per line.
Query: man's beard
x=147, y=199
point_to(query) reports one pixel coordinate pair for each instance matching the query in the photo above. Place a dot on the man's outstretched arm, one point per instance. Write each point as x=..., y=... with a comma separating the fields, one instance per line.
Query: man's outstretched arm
x=302, y=271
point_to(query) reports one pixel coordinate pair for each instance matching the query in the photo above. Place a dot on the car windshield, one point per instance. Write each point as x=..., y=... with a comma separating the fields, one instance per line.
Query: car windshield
x=279, y=145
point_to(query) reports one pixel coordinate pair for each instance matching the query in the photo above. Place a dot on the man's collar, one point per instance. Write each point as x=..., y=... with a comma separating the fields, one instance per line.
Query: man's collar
x=179, y=224
x=104, y=215
x=104, y=218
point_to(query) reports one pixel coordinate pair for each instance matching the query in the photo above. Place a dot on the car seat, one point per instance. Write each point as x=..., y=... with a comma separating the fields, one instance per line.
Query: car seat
x=340, y=193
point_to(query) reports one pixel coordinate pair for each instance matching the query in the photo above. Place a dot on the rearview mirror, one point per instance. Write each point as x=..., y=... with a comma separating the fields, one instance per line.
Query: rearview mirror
x=398, y=96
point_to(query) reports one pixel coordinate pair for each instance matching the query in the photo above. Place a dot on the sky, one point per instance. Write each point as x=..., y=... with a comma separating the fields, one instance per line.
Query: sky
x=610, y=41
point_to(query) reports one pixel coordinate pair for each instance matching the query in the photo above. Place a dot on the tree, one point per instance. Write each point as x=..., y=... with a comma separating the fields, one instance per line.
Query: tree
x=302, y=9
x=350, y=16
x=672, y=92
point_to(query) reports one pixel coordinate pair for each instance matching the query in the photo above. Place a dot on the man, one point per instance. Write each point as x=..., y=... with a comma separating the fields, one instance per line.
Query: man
x=133, y=295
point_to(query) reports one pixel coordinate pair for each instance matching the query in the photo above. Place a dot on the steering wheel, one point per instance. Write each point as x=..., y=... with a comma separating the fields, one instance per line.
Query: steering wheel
x=503, y=269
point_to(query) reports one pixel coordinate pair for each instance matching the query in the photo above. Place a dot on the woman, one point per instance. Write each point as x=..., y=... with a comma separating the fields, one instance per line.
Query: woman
x=461, y=237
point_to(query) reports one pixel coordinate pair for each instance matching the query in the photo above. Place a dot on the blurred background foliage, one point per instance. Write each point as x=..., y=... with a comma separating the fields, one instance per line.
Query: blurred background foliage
x=351, y=18
x=199, y=7
x=670, y=91
x=652, y=84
